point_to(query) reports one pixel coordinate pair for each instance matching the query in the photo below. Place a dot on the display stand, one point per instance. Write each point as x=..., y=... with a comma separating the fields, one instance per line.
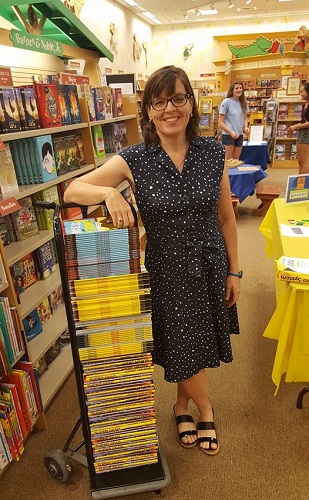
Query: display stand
x=151, y=477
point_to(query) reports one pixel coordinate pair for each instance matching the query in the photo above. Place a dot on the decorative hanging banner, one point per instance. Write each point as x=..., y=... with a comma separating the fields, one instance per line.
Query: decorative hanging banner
x=23, y=40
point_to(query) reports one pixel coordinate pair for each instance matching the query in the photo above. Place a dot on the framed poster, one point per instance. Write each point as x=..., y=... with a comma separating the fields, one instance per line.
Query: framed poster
x=293, y=85
x=279, y=93
x=284, y=81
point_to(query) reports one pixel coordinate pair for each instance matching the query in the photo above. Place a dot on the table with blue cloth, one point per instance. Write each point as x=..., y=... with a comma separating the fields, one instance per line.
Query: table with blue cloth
x=243, y=182
x=255, y=154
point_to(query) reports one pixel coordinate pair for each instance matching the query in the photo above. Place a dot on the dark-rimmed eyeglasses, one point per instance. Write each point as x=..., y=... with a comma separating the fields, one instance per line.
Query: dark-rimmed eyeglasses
x=177, y=100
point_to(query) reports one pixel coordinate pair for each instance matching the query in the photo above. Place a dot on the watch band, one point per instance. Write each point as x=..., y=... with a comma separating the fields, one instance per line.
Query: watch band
x=238, y=275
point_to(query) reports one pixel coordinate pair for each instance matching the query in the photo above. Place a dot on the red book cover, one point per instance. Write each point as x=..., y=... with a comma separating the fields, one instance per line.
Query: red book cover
x=27, y=367
x=20, y=381
x=9, y=392
x=48, y=104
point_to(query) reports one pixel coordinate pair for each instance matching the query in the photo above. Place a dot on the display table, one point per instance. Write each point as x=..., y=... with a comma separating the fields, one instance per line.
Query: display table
x=243, y=182
x=289, y=323
x=255, y=154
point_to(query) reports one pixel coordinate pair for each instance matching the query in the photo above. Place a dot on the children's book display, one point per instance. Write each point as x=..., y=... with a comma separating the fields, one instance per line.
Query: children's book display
x=110, y=297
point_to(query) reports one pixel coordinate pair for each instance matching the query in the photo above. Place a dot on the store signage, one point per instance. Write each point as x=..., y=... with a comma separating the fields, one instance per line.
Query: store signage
x=297, y=188
x=5, y=77
x=8, y=206
x=72, y=79
x=23, y=40
x=267, y=63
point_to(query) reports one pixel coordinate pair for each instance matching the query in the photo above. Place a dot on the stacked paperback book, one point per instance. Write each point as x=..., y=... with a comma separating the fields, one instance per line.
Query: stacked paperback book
x=111, y=305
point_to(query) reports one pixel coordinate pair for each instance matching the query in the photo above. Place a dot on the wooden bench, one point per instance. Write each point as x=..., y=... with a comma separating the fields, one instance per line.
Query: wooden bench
x=235, y=202
x=266, y=193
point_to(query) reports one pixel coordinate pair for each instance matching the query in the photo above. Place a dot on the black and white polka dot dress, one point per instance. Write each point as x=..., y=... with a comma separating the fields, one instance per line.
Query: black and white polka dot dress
x=185, y=256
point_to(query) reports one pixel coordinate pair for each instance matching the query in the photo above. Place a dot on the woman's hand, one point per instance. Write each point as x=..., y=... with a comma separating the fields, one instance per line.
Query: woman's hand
x=232, y=290
x=119, y=209
x=234, y=135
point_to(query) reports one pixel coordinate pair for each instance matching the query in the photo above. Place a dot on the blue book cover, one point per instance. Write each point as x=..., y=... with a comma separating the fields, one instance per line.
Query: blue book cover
x=11, y=121
x=25, y=149
x=32, y=325
x=45, y=151
x=30, y=107
x=22, y=161
x=33, y=162
x=98, y=102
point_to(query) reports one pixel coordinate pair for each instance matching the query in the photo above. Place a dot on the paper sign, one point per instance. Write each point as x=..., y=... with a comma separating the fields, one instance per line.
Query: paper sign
x=256, y=134
x=297, y=188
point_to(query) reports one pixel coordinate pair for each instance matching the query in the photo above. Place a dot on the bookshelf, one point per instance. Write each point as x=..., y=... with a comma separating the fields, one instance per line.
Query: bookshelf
x=284, y=153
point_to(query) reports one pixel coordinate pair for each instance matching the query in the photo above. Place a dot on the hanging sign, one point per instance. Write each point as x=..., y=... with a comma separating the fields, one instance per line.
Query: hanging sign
x=23, y=40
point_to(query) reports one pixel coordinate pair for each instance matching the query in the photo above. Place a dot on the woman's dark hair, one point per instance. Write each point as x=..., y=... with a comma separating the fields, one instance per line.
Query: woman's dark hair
x=164, y=79
x=242, y=99
x=46, y=148
x=306, y=87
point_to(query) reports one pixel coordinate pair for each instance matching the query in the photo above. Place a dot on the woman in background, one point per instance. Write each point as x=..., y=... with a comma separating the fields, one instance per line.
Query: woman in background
x=233, y=120
x=303, y=132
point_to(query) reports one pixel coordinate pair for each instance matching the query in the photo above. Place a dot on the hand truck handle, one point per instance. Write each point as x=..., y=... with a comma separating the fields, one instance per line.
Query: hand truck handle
x=51, y=205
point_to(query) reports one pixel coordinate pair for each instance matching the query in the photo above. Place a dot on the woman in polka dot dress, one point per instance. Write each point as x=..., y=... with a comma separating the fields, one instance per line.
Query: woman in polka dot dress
x=183, y=195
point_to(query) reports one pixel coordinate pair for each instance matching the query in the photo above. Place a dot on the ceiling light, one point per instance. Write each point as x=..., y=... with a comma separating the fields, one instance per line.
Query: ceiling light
x=185, y=15
x=130, y=2
x=197, y=12
x=148, y=14
x=248, y=1
x=231, y=4
x=209, y=12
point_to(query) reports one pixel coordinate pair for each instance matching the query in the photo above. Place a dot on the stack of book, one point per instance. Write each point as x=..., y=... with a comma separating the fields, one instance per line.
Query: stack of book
x=114, y=339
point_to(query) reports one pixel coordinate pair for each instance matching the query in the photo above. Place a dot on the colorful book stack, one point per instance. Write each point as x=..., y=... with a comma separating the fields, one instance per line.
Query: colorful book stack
x=114, y=339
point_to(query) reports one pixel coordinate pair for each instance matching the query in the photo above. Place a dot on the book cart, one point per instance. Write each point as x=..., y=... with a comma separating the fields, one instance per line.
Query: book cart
x=114, y=379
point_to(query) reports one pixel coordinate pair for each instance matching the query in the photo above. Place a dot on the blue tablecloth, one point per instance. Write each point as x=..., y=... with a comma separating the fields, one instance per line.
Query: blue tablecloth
x=243, y=183
x=255, y=154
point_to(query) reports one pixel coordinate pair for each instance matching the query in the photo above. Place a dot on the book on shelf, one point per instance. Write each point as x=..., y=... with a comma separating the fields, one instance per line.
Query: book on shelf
x=40, y=366
x=98, y=102
x=280, y=152
x=44, y=260
x=60, y=155
x=73, y=151
x=44, y=310
x=283, y=111
x=29, y=165
x=8, y=180
x=4, y=232
x=53, y=352
x=74, y=106
x=107, y=101
x=21, y=109
x=27, y=367
x=5, y=365
x=28, y=96
x=64, y=104
x=98, y=140
x=46, y=215
x=293, y=152
x=120, y=136
x=5, y=454
x=3, y=277
x=297, y=110
x=22, y=161
x=7, y=418
x=8, y=336
x=204, y=122
x=9, y=115
x=84, y=91
x=23, y=273
x=45, y=158
x=117, y=102
x=55, y=299
x=48, y=105
x=282, y=130
x=21, y=379
x=24, y=220
x=8, y=392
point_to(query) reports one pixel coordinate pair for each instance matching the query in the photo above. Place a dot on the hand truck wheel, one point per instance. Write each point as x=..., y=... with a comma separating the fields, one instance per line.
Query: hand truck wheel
x=58, y=465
